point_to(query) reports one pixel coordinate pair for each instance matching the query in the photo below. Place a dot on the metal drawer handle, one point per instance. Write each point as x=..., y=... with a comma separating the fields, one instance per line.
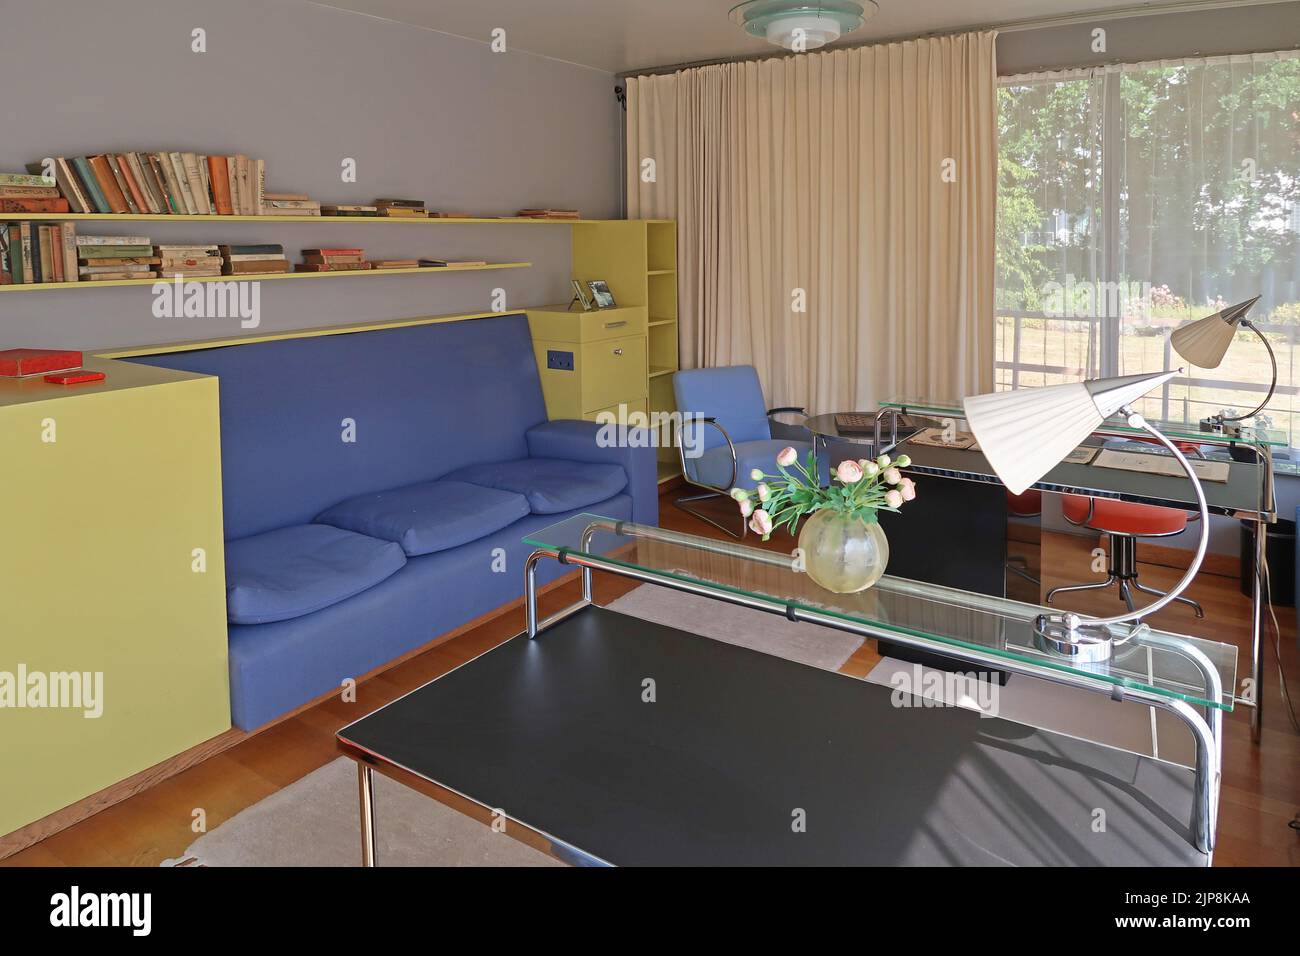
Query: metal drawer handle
x=618, y=351
x=616, y=325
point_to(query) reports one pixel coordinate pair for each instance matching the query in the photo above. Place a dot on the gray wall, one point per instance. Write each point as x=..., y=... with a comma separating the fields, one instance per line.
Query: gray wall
x=1252, y=29
x=424, y=114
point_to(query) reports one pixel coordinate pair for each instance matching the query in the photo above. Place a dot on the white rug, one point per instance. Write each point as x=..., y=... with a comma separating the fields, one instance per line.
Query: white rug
x=315, y=822
x=806, y=643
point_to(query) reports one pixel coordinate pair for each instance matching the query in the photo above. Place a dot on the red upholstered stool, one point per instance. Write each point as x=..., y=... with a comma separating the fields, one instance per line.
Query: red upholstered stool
x=1123, y=522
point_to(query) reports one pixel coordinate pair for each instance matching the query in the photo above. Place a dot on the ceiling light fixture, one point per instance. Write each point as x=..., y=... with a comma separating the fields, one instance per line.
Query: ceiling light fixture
x=802, y=26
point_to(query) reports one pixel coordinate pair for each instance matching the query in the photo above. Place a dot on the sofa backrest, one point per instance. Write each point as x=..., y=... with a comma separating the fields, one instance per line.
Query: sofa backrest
x=423, y=400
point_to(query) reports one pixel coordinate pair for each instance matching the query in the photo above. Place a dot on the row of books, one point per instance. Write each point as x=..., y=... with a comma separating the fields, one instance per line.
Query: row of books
x=353, y=259
x=149, y=184
x=179, y=183
x=39, y=253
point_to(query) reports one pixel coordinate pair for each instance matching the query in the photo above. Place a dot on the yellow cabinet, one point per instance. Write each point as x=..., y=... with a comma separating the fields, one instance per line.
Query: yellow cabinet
x=590, y=361
x=112, y=581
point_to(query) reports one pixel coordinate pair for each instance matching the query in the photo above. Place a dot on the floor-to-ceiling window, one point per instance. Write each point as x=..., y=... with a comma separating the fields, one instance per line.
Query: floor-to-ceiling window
x=1134, y=197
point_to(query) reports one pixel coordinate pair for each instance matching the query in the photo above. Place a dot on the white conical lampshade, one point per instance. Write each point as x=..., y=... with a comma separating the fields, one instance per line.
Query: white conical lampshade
x=1205, y=341
x=1024, y=434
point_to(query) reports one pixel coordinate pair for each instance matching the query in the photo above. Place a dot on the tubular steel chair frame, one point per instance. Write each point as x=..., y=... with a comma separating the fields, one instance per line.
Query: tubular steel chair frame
x=713, y=491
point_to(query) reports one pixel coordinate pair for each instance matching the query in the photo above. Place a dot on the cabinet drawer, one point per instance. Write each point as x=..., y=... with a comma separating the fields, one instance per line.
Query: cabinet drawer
x=638, y=405
x=613, y=371
x=561, y=326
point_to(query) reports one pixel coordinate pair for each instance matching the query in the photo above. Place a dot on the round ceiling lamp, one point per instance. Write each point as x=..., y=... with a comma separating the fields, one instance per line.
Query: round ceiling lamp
x=802, y=26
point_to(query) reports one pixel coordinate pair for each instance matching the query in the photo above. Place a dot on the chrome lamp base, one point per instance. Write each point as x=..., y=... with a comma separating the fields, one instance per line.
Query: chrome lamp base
x=1218, y=426
x=1068, y=636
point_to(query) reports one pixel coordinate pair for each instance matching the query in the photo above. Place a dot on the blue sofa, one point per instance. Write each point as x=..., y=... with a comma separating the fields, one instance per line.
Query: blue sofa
x=376, y=486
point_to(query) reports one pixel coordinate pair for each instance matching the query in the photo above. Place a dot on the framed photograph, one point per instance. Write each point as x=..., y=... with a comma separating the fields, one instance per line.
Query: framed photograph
x=580, y=296
x=604, y=299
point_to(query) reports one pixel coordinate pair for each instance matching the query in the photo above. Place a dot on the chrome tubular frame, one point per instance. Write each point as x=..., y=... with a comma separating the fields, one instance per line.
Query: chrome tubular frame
x=366, y=792
x=711, y=490
x=1206, y=730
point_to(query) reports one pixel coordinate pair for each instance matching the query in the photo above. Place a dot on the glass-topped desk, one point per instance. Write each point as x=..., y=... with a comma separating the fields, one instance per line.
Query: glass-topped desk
x=1189, y=677
x=1116, y=425
x=1247, y=494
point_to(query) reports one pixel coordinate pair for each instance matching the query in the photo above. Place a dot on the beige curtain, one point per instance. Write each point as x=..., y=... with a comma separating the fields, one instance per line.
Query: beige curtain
x=835, y=216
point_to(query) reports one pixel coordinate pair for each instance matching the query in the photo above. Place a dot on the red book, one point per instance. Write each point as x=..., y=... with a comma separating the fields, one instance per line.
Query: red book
x=334, y=252
x=16, y=362
x=34, y=205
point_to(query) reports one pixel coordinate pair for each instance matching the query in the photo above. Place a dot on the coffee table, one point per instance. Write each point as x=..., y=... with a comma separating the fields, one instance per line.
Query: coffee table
x=605, y=739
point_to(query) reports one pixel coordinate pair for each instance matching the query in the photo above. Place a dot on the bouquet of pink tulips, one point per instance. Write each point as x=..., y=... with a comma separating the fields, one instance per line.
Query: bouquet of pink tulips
x=858, y=489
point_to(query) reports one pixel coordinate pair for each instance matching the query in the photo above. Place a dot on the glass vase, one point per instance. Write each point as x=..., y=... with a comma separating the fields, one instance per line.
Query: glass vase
x=843, y=554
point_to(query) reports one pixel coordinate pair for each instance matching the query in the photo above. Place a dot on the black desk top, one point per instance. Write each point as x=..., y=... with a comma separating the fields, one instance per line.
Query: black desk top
x=555, y=732
x=1240, y=496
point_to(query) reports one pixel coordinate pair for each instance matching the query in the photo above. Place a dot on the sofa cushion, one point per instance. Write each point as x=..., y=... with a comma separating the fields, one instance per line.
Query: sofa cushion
x=293, y=571
x=428, y=517
x=551, y=485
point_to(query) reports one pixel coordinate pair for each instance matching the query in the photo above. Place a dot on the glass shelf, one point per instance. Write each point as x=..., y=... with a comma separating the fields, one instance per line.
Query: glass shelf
x=1146, y=660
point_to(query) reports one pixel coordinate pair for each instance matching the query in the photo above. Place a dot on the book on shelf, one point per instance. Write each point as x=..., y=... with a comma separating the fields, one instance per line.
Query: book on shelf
x=108, y=187
x=394, y=263
x=17, y=363
x=122, y=251
x=112, y=240
x=291, y=209
x=219, y=177
x=255, y=268
x=455, y=215
x=451, y=263
x=186, y=263
x=319, y=259
x=331, y=266
x=120, y=260
x=334, y=209
x=123, y=187
x=123, y=268
x=402, y=212
x=255, y=257
x=27, y=179
x=548, y=214
x=405, y=203
x=187, y=250
x=29, y=192
x=335, y=251
x=106, y=276
x=57, y=204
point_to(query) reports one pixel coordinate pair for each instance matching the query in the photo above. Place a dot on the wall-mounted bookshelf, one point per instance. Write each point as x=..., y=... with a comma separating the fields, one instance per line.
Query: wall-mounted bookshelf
x=332, y=220
x=258, y=277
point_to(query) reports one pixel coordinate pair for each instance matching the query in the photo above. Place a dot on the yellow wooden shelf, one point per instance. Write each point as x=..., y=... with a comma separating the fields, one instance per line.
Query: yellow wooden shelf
x=657, y=322
x=352, y=273
x=655, y=372
x=661, y=272
x=135, y=217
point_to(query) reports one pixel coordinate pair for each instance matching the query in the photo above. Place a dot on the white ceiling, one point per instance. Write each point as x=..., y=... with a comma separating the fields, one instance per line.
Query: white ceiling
x=621, y=35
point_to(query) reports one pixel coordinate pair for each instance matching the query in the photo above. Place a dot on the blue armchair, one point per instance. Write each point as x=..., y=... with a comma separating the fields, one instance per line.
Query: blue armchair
x=726, y=433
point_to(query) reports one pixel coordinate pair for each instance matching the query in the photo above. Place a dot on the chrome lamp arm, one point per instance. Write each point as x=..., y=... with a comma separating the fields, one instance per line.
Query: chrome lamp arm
x=1272, y=386
x=1090, y=639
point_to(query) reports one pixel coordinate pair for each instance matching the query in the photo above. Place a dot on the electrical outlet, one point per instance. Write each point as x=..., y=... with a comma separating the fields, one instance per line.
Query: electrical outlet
x=561, y=361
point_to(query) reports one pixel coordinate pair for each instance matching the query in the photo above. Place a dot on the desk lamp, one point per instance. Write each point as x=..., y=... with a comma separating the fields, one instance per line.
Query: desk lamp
x=1027, y=432
x=1205, y=342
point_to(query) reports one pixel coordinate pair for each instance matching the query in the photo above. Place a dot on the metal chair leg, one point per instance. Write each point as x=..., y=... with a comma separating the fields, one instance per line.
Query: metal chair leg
x=1200, y=611
x=1126, y=594
x=680, y=503
x=1110, y=579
